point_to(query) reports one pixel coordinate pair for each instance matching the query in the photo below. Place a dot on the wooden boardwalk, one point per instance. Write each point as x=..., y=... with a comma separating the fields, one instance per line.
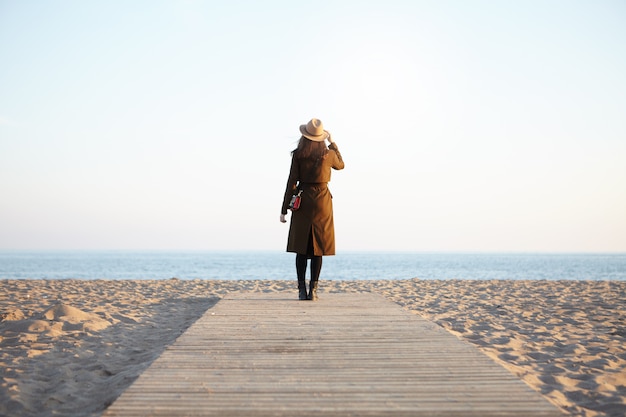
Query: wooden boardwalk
x=267, y=354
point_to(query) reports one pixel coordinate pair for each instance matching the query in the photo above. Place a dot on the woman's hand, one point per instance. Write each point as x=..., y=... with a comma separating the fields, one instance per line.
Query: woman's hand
x=330, y=138
x=282, y=218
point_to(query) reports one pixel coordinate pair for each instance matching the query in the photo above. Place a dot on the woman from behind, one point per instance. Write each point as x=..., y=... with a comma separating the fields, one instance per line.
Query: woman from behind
x=312, y=230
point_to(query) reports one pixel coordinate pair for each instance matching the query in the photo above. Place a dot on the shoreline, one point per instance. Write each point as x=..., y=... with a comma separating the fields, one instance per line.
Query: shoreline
x=72, y=347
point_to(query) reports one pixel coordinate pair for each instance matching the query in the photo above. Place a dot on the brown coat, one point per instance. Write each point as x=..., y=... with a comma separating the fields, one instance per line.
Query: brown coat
x=315, y=216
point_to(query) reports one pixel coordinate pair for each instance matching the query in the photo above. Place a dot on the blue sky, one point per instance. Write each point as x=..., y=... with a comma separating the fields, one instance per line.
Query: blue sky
x=465, y=125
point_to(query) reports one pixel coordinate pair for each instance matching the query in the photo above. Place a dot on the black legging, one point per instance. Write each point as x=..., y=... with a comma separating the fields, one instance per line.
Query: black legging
x=301, y=262
x=316, y=267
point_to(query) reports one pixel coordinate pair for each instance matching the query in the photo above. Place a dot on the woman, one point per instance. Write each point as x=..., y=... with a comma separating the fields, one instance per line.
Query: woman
x=312, y=231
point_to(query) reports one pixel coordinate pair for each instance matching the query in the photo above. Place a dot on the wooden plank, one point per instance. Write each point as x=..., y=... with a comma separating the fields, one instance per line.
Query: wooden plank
x=267, y=354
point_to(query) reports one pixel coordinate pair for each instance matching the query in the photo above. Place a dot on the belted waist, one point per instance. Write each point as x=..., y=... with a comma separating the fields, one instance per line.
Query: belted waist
x=312, y=184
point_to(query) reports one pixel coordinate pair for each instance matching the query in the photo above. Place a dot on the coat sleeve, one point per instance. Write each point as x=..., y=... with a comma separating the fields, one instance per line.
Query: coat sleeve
x=292, y=182
x=338, y=162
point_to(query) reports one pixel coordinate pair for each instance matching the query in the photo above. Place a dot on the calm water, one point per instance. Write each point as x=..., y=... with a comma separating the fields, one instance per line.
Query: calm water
x=281, y=265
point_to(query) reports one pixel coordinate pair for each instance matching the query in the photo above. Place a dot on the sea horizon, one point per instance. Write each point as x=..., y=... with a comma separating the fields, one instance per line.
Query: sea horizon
x=279, y=265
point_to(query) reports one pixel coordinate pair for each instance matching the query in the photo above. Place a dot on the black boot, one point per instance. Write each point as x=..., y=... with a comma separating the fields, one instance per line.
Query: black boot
x=302, y=290
x=313, y=291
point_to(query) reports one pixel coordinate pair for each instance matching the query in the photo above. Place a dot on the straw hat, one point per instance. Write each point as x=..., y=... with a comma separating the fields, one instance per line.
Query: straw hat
x=314, y=130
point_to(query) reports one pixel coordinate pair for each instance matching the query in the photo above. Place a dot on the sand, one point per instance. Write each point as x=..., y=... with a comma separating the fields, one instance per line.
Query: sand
x=71, y=347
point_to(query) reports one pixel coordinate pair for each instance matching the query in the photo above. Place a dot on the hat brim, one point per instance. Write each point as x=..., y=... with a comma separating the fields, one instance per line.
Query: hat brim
x=320, y=138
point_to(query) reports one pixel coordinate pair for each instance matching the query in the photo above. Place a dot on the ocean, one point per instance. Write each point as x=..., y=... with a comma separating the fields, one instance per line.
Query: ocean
x=266, y=265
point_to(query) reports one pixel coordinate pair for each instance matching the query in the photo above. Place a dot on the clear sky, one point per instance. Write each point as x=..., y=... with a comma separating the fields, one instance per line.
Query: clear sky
x=464, y=125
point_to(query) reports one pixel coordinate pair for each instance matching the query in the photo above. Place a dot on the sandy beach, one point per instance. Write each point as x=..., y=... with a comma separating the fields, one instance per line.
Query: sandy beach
x=71, y=347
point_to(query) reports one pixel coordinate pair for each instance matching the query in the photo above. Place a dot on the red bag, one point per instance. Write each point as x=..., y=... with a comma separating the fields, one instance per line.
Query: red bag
x=296, y=199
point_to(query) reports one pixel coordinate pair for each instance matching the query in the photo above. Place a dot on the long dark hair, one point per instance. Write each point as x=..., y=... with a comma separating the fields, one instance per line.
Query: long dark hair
x=308, y=149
